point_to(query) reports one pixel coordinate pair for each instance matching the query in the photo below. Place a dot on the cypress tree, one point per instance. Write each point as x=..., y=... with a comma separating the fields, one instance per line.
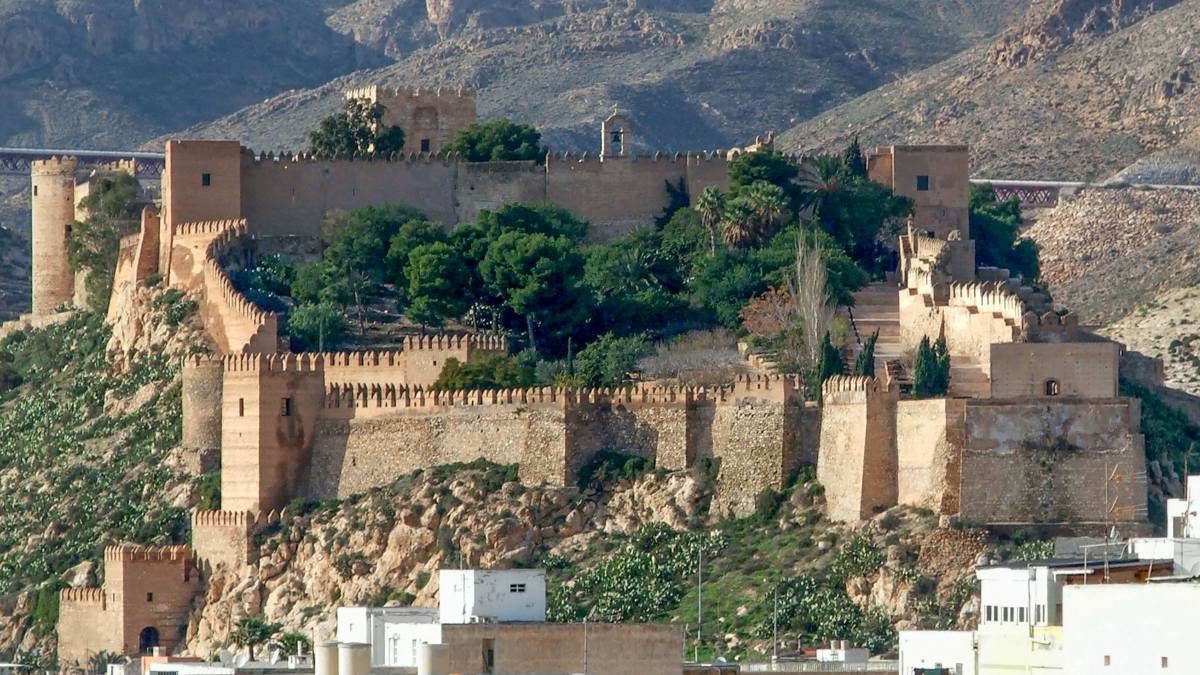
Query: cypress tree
x=865, y=363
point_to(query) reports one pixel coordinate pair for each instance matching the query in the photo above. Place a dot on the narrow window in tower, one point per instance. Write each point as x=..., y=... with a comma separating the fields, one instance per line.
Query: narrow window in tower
x=285, y=407
x=922, y=183
x=206, y=179
x=241, y=407
x=34, y=190
x=149, y=597
x=424, y=145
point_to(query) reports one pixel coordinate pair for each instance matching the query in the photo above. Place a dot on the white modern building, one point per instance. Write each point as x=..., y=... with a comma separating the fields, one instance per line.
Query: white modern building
x=370, y=625
x=487, y=596
x=1132, y=629
x=465, y=597
x=1021, y=617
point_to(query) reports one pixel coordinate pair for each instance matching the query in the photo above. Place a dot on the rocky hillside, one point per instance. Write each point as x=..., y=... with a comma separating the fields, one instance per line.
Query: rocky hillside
x=1106, y=253
x=89, y=455
x=111, y=73
x=692, y=73
x=14, y=274
x=600, y=543
x=1081, y=89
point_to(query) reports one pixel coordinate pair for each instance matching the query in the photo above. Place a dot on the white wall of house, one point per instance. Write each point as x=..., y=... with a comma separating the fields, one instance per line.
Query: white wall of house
x=952, y=649
x=471, y=596
x=368, y=625
x=402, y=642
x=1131, y=629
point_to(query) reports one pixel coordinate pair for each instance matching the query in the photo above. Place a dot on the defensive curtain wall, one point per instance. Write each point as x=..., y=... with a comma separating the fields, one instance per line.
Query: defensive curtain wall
x=315, y=427
x=1015, y=460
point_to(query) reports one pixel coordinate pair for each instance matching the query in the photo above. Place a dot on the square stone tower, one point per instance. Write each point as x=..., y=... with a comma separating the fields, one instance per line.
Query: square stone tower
x=430, y=118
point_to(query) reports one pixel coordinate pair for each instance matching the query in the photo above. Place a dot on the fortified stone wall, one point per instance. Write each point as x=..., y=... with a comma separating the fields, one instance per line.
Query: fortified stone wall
x=857, y=464
x=430, y=118
x=203, y=379
x=225, y=537
x=85, y=625
x=929, y=442
x=613, y=649
x=291, y=194
x=1073, y=369
x=1029, y=461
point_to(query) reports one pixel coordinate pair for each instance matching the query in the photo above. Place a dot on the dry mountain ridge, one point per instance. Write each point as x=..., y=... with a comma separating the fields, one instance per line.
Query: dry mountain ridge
x=1081, y=90
x=691, y=73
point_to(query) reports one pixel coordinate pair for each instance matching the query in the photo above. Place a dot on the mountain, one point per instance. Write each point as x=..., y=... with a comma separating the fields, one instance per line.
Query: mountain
x=691, y=73
x=1079, y=90
x=111, y=73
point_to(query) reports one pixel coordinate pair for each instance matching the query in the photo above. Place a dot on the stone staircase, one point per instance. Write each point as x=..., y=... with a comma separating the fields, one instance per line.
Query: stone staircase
x=876, y=307
x=967, y=379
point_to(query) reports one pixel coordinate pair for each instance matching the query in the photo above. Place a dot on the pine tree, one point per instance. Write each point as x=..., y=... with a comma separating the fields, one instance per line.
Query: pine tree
x=865, y=363
x=853, y=161
x=942, y=355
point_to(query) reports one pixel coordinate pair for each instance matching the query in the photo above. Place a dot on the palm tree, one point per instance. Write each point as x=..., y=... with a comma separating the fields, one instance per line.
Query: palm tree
x=737, y=226
x=711, y=207
x=769, y=203
x=253, y=631
x=819, y=177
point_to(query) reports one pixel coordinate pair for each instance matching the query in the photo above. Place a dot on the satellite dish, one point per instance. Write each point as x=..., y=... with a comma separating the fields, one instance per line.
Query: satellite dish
x=241, y=660
x=225, y=657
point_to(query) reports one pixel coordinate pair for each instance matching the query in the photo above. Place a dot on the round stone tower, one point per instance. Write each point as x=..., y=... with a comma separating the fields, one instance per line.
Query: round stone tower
x=203, y=387
x=53, y=214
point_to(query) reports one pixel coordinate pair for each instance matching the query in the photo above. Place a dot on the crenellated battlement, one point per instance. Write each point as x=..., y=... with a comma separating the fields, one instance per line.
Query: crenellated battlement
x=55, y=165
x=285, y=158
x=442, y=342
x=273, y=363
x=208, y=227
x=239, y=519
x=378, y=93
x=195, y=361
x=137, y=553
x=83, y=596
x=218, y=283
x=987, y=296
x=592, y=159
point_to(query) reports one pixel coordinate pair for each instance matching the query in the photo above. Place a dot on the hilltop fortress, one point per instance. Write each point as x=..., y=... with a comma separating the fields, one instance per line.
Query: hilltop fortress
x=1032, y=430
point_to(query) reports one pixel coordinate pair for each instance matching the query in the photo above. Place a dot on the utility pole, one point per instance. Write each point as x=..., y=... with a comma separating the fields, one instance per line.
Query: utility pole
x=775, y=630
x=699, y=601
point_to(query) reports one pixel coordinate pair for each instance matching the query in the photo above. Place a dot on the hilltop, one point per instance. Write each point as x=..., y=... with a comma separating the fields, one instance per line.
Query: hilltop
x=692, y=73
x=1081, y=89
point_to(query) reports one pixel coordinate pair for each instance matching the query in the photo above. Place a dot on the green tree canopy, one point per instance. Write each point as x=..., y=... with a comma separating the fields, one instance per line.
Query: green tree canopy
x=539, y=277
x=495, y=371
x=996, y=229
x=92, y=247
x=499, y=140
x=319, y=326
x=253, y=631
x=931, y=369
x=609, y=360
x=357, y=130
x=438, y=284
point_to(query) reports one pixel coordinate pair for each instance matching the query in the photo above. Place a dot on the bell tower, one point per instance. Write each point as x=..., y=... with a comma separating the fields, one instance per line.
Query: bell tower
x=615, y=138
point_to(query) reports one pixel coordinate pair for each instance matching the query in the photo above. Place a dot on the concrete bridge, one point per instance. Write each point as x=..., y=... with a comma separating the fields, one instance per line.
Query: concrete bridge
x=1042, y=194
x=17, y=161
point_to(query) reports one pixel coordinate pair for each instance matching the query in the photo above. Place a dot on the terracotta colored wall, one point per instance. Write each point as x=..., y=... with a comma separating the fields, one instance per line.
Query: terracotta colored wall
x=857, y=463
x=929, y=444
x=85, y=625
x=1082, y=369
x=150, y=587
x=185, y=198
x=621, y=192
x=612, y=649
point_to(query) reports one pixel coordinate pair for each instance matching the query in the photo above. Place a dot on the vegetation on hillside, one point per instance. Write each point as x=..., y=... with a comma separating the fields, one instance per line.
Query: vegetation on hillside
x=996, y=229
x=113, y=213
x=83, y=454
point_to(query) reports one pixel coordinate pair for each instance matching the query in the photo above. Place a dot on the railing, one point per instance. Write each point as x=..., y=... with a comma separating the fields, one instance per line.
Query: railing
x=822, y=667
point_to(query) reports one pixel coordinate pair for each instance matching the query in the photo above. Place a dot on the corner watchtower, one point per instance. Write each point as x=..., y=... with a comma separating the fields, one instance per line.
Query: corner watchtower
x=53, y=214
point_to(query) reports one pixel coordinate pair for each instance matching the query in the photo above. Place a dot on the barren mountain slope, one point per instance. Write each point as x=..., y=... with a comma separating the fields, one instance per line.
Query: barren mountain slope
x=111, y=73
x=1081, y=90
x=693, y=74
